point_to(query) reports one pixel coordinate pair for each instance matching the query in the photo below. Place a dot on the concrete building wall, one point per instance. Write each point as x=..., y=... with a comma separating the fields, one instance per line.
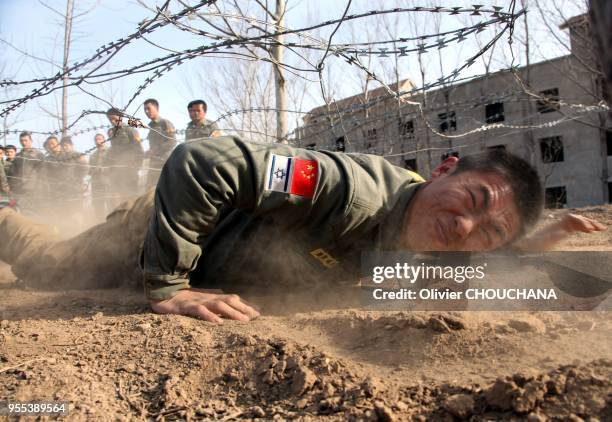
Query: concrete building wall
x=584, y=171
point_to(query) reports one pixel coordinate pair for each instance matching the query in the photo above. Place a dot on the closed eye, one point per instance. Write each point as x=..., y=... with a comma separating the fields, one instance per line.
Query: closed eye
x=473, y=198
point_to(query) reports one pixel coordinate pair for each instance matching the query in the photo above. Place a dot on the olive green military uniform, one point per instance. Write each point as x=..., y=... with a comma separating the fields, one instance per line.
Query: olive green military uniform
x=162, y=140
x=124, y=158
x=76, y=169
x=226, y=227
x=197, y=132
x=25, y=171
x=4, y=185
x=8, y=168
x=223, y=228
x=98, y=171
x=53, y=174
x=106, y=255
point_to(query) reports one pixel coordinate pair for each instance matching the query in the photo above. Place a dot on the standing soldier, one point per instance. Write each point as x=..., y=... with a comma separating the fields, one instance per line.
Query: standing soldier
x=200, y=126
x=53, y=179
x=4, y=185
x=75, y=164
x=10, y=151
x=53, y=174
x=99, y=178
x=26, y=167
x=125, y=155
x=162, y=140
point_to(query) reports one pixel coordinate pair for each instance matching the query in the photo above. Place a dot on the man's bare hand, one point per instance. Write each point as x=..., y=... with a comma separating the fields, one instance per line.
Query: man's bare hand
x=578, y=223
x=548, y=237
x=208, y=306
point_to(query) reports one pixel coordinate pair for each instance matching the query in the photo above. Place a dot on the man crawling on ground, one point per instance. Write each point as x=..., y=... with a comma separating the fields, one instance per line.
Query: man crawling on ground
x=246, y=217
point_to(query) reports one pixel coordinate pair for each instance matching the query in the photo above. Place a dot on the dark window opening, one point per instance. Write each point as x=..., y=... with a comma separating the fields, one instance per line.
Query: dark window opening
x=497, y=147
x=609, y=142
x=406, y=128
x=369, y=137
x=411, y=164
x=494, y=112
x=448, y=122
x=550, y=102
x=551, y=149
x=556, y=197
x=340, y=146
x=609, y=192
x=450, y=154
x=311, y=146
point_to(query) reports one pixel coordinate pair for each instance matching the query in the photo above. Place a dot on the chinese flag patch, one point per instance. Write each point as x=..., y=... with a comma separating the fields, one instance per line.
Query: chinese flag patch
x=304, y=178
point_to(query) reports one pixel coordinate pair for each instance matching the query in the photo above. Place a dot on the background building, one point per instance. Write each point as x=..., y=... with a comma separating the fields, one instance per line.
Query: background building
x=545, y=106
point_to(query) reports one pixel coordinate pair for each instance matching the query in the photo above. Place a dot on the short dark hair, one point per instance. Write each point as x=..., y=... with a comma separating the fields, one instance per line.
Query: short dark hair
x=1, y=147
x=24, y=134
x=152, y=101
x=48, y=139
x=114, y=112
x=522, y=177
x=196, y=102
x=10, y=146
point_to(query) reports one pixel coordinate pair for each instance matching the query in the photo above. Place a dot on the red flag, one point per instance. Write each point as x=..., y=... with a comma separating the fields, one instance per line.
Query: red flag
x=304, y=178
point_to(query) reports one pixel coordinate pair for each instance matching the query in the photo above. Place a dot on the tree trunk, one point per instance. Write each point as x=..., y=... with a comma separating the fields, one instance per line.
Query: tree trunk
x=67, y=37
x=279, y=79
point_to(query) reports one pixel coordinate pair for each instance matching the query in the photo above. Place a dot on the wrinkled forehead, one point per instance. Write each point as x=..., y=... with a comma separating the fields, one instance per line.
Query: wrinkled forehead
x=497, y=199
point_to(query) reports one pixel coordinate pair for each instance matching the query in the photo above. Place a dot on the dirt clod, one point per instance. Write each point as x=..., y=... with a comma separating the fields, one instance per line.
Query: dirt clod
x=501, y=394
x=459, y=405
x=302, y=380
x=383, y=412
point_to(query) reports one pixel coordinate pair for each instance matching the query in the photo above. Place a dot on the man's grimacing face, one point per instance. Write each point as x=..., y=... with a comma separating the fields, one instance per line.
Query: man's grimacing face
x=469, y=211
x=10, y=153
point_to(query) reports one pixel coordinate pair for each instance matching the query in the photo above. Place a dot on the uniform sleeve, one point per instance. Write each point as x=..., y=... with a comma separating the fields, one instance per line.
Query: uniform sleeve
x=3, y=180
x=135, y=135
x=200, y=179
x=170, y=129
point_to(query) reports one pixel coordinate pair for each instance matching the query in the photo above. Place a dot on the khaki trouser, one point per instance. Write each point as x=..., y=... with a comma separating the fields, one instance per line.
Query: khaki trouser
x=106, y=255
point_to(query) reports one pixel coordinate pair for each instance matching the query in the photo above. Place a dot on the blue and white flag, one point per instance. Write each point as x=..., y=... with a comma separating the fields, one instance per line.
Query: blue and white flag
x=278, y=176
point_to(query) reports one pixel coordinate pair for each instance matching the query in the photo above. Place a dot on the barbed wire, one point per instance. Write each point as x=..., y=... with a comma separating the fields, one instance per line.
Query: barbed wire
x=157, y=67
x=106, y=51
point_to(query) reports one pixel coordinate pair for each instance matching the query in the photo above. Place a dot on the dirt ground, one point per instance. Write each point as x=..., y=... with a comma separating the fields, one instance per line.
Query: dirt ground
x=106, y=354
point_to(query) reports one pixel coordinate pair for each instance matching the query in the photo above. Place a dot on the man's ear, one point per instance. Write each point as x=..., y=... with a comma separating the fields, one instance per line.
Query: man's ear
x=445, y=167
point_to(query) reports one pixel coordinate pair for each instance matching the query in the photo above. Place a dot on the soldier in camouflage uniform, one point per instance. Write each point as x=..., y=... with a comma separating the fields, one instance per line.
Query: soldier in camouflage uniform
x=25, y=172
x=4, y=185
x=162, y=140
x=10, y=151
x=98, y=171
x=200, y=126
x=76, y=168
x=245, y=216
x=125, y=156
x=53, y=172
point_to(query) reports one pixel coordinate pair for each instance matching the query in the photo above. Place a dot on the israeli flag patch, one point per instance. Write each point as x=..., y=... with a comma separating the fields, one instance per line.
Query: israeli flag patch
x=279, y=173
x=292, y=175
